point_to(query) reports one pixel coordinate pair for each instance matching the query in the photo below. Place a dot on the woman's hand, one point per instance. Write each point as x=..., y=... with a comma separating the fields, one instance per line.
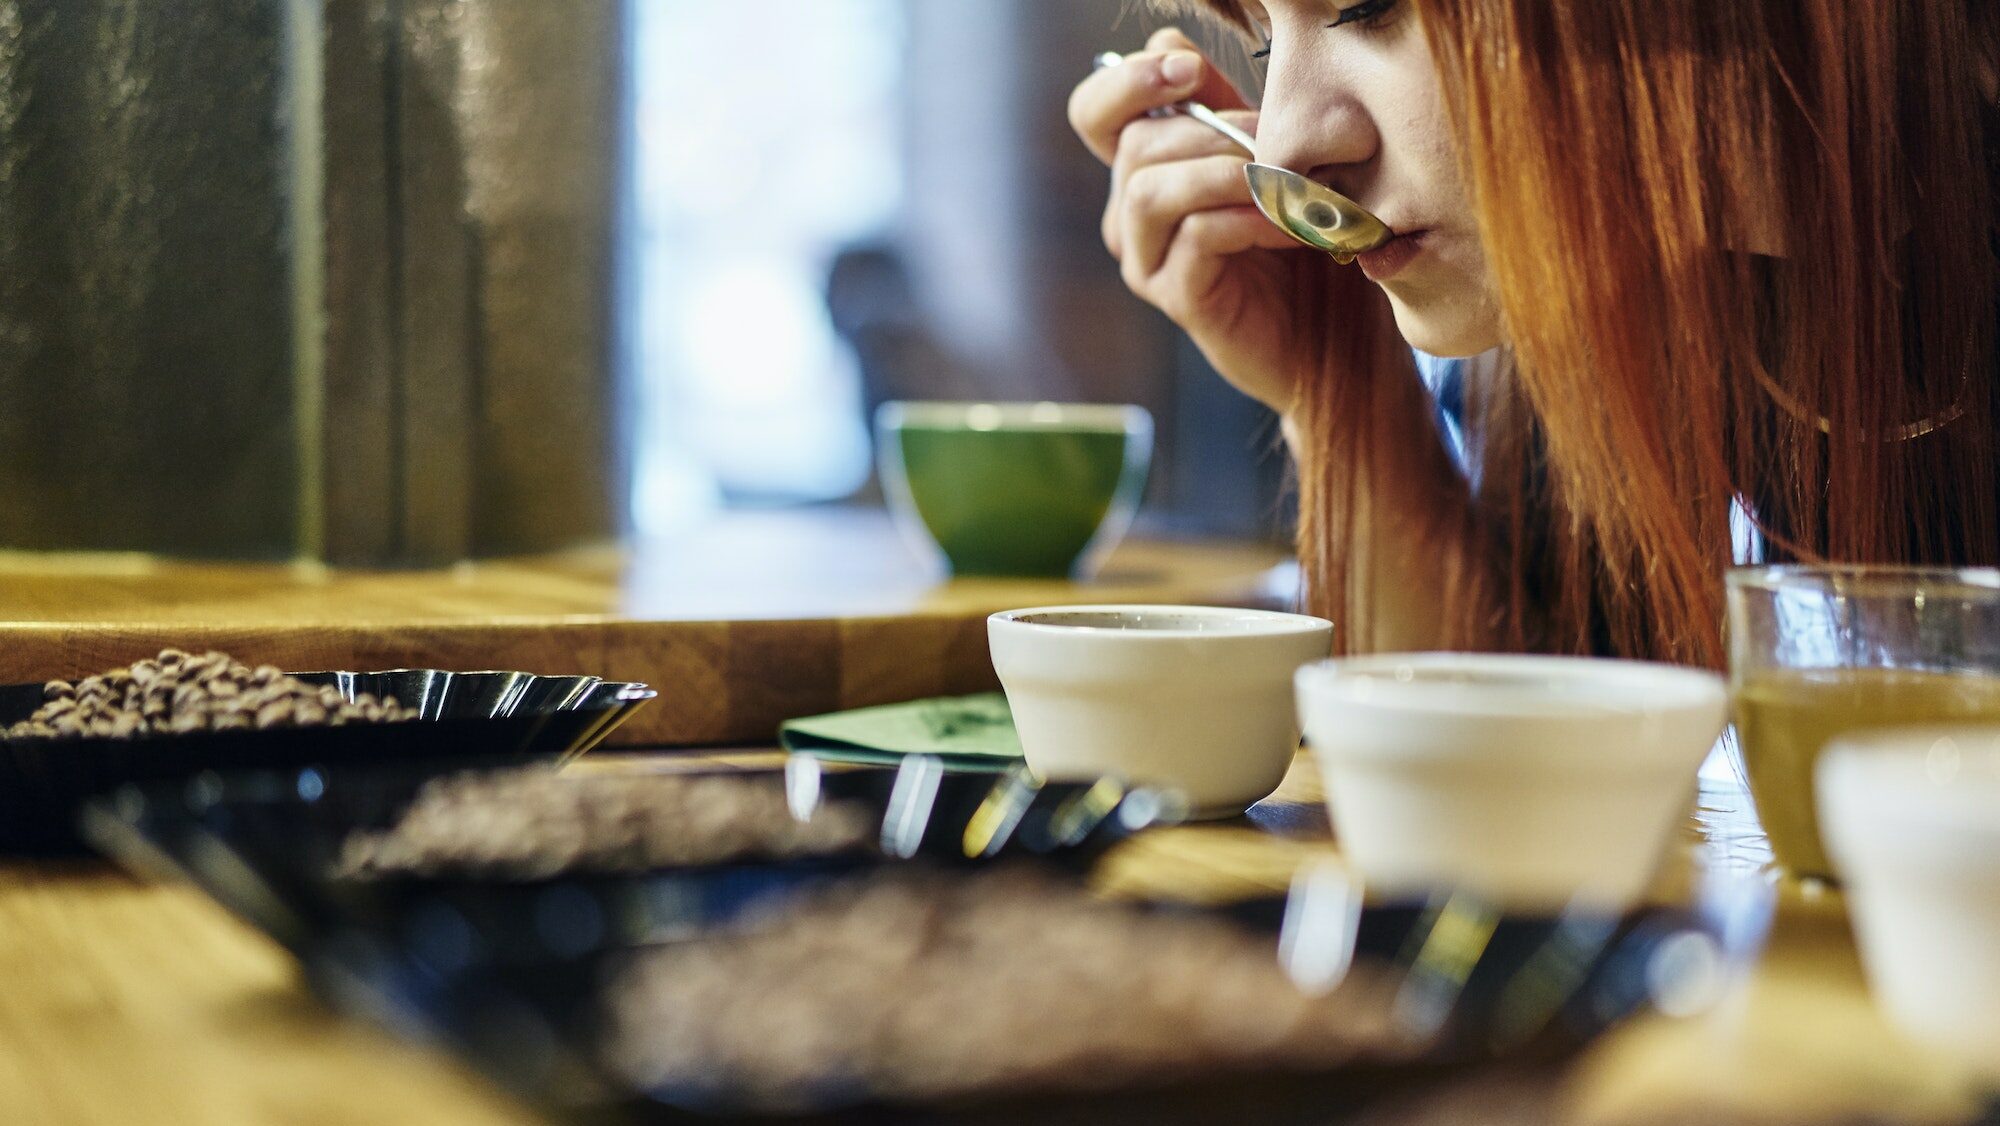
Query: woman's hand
x=1186, y=234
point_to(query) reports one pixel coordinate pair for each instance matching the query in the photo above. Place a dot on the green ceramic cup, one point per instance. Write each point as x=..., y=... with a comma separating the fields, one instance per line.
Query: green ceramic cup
x=1017, y=489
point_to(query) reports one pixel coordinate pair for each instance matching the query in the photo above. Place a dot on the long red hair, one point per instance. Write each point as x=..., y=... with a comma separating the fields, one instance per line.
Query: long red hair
x=1623, y=157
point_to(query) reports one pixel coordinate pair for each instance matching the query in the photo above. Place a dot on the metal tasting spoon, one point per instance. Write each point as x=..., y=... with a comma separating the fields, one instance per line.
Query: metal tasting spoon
x=1305, y=209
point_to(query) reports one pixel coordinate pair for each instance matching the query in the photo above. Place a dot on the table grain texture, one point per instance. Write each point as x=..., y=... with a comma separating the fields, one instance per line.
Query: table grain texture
x=741, y=624
x=130, y=1002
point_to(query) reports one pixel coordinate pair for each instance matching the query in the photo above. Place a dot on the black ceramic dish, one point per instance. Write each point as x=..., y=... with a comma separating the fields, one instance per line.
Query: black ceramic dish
x=511, y=974
x=471, y=715
x=267, y=845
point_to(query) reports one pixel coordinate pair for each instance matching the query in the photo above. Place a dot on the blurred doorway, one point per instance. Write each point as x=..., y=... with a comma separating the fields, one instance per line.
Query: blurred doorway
x=868, y=199
x=763, y=146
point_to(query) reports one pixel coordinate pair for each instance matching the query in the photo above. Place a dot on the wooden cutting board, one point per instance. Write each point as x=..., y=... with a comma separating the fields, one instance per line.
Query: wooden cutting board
x=748, y=622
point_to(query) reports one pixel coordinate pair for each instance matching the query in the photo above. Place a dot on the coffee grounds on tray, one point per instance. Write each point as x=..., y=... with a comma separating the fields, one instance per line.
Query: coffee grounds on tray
x=534, y=822
x=177, y=693
x=924, y=987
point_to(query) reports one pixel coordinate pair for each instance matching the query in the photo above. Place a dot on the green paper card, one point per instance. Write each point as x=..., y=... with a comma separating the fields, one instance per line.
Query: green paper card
x=966, y=732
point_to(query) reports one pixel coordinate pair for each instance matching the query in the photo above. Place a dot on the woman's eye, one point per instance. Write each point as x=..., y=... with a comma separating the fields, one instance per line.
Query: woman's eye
x=1367, y=14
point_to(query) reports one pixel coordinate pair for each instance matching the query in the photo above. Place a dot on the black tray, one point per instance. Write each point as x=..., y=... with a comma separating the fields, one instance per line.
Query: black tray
x=469, y=715
x=535, y=1029
x=507, y=972
x=267, y=846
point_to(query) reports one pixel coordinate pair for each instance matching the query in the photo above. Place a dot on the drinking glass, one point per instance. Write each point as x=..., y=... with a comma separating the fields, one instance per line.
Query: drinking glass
x=1817, y=651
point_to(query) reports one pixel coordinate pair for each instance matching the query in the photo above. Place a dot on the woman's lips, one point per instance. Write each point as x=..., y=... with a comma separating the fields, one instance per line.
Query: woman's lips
x=1391, y=258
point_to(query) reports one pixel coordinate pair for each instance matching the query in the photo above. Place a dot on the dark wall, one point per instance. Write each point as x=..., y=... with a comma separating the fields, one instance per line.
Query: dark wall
x=146, y=335
x=476, y=164
x=323, y=278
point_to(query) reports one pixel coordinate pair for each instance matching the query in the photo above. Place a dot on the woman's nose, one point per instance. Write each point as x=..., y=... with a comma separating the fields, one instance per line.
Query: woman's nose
x=1313, y=126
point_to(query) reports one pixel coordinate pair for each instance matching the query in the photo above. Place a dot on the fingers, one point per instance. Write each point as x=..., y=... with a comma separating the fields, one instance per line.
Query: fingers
x=1103, y=104
x=1184, y=223
x=1160, y=140
x=1179, y=207
x=1160, y=198
x=1215, y=90
x=1201, y=254
x=1157, y=142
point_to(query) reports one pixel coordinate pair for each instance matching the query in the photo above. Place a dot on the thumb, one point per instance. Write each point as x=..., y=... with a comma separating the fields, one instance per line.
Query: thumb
x=1213, y=89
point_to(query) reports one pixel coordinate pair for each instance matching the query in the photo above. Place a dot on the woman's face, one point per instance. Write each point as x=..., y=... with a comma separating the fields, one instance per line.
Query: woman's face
x=1358, y=107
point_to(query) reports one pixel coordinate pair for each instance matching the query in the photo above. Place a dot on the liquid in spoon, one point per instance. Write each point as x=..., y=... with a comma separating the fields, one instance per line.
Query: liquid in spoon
x=1307, y=210
x=1315, y=214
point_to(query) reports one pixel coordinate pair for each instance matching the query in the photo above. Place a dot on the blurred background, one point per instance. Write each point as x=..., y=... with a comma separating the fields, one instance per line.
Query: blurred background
x=921, y=224
x=405, y=281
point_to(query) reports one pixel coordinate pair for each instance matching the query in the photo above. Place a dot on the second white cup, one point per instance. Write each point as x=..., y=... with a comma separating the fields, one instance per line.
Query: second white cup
x=1534, y=781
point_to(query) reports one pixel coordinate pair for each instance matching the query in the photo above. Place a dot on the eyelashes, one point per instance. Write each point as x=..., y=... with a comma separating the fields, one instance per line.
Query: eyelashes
x=1367, y=13
x=1364, y=16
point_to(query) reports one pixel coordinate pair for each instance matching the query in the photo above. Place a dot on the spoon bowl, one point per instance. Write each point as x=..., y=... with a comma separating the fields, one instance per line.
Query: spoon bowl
x=1315, y=214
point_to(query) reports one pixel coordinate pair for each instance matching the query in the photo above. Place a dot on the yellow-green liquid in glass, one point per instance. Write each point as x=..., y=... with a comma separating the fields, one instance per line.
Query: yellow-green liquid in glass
x=1785, y=718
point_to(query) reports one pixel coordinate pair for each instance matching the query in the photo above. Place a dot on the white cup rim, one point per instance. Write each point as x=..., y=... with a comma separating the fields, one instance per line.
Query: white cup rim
x=1511, y=685
x=1234, y=623
x=1108, y=418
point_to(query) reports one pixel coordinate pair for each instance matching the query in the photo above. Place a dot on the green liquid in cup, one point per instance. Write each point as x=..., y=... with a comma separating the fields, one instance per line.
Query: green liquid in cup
x=1784, y=719
x=1012, y=502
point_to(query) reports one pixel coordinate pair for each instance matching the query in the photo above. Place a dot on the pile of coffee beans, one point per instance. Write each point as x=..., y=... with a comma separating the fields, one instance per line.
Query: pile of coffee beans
x=927, y=986
x=176, y=693
x=534, y=823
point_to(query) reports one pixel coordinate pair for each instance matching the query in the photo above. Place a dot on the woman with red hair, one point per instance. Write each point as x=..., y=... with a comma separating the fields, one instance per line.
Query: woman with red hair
x=1712, y=256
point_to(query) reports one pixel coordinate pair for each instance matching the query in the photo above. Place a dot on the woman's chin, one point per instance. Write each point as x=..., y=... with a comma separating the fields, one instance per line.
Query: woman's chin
x=1445, y=327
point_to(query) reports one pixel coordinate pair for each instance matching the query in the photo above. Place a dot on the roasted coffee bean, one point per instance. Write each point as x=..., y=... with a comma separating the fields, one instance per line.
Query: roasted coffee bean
x=535, y=823
x=179, y=693
x=928, y=986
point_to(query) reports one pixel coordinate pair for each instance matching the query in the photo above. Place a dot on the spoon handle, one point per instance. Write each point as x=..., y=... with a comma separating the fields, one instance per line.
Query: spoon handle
x=1215, y=121
x=1194, y=110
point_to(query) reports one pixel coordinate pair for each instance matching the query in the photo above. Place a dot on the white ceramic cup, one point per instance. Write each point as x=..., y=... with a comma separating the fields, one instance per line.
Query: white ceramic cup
x=1911, y=820
x=1535, y=781
x=1198, y=699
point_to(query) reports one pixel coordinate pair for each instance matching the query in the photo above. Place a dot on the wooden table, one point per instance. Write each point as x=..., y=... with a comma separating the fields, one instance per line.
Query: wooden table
x=125, y=1002
x=743, y=623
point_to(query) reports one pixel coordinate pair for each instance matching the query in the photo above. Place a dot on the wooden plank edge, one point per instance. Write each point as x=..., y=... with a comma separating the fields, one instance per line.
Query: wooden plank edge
x=719, y=682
